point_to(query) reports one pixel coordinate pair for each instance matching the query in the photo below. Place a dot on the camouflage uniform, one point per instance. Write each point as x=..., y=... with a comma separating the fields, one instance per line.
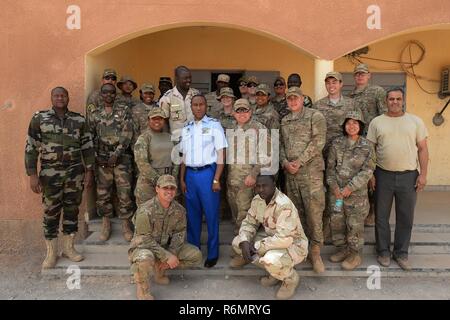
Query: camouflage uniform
x=139, y=116
x=350, y=165
x=280, y=105
x=267, y=116
x=63, y=146
x=227, y=120
x=282, y=243
x=152, y=154
x=112, y=136
x=131, y=102
x=302, y=138
x=214, y=105
x=160, y=232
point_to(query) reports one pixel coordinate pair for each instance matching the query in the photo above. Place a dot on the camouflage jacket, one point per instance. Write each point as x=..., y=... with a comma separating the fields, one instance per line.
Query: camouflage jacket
x=303, y=137
x=131, y=102
x=371, y=101
x=267, y=116
x=59, y=142
x=94, y=101
x=307, y=101
x=160, y=230
x=112, y=132
x=350, y=165
x=281, y=223
x=152, y=154
x=280, y=106
x=139, y=116
x=335, y=116
x=227, y=120
x=213, y=105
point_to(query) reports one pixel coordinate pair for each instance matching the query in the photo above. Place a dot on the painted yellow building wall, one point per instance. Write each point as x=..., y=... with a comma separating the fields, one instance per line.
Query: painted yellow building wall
x=154, y=55
x=437, y=46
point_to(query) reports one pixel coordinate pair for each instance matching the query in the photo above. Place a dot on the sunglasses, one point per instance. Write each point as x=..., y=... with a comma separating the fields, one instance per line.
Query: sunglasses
x=242, y=110
x=251, y=85
x=242, y=84
x=114, y=78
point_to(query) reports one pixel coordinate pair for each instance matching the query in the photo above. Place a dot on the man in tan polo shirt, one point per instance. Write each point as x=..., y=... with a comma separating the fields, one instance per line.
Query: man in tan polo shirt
x=400, y=140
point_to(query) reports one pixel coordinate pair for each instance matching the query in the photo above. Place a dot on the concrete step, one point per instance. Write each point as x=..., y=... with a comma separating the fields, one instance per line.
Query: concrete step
x=105, y=264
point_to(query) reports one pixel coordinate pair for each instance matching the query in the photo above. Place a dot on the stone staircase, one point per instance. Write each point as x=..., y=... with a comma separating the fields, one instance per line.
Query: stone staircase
x=429, y=255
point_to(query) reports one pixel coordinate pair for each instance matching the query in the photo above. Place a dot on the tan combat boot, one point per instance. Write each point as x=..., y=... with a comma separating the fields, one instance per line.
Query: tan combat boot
x=68, y=250
x=160, y=277
x=287, y=289
x=142, y=280
x=268, y=281
x=52, y=254
x=340, y=255
x=352, y=261
x=106, y=229
x=126, y=230
x=237, y=262
x=316, y=260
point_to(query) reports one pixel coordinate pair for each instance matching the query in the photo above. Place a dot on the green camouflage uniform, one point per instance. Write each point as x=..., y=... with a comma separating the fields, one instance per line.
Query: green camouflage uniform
x=282, y=243
x=131, y=102
x=139, y=116
x=302, y=138
x=63, y=145
x=267, y=116
x=152, y=153
x=214, y=106
x=280, y=105
x=112, y=136
x=350, y=165
x=160, y=232
x=227, y=120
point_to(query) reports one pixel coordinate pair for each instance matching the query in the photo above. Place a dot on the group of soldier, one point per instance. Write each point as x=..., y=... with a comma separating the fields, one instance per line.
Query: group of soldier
x=130, y=145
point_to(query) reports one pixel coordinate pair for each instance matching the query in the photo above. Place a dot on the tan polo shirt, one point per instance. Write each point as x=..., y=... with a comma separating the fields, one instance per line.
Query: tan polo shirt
x=396, y=141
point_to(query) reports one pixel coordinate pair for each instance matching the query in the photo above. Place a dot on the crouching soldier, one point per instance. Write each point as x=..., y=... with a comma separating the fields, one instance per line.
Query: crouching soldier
x=159, y=239
x=280, y=245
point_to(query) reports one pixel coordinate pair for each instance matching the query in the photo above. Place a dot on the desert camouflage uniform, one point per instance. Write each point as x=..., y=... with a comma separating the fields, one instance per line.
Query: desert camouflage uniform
x=267, y=116
x=63, y=146
x=160, y=232
x=152, y=154
x=350, y=165
x=227, y=120
x=302, y=138
x=112, y=136
x=282, y=243
x=214, y=106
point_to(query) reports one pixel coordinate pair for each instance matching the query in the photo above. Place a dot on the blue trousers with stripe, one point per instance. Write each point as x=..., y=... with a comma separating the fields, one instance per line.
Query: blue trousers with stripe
x=200, y=198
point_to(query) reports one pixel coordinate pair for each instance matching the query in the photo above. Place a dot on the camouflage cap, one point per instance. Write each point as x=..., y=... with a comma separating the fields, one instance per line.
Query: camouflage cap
x=165, y=79
x=241, y=103
x=156, y=112
x=264, y=88
x=109, y=72
x=355, y=115
x=334, y=74
x=362, y=67
x=252, y=79
x=166, y=180
x=124, y=79
x=147, y=87
x=294, y=91
x=223, y=78
x=279, y=79
x=226, y=92
x=243, y=79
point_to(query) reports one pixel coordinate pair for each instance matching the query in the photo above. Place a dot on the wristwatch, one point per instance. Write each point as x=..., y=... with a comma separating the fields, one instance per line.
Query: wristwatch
x=215, y=181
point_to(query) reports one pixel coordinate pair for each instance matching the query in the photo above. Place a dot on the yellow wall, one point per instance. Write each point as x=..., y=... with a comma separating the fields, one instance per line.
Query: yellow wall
x=154, y=55
x=437, y=45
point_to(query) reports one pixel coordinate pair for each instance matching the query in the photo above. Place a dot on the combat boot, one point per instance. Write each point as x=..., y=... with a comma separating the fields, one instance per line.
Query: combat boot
x=352, y=261
x=316, y=260
x=160, y=277
x=142, y=280
x=237, y=262
x=287, y=289
x=126, y=230
x=52, y=254
x=268, y=281
x=68, y=250
x=340, y=255
x=106, y=229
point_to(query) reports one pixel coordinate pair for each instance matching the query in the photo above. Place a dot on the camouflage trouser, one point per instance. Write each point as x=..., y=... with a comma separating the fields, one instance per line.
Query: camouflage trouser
x=121, y=176
x=189, y=256
x=279, y=263
x=62, y=188
x=306, y=191
x=347, y=226
x=240, y=198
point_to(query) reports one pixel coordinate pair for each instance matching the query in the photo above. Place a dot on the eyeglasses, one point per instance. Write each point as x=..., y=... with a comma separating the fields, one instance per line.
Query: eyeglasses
x=114, y=78
x=242, y=110
x=251, y=85
x=242, y=84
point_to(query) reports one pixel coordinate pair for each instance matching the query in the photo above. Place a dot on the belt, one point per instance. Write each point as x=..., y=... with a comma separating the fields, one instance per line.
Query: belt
x=396, y=172
x=200, y=168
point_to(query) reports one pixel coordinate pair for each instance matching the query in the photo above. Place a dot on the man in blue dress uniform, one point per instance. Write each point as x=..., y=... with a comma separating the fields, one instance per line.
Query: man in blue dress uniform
x=203, y=147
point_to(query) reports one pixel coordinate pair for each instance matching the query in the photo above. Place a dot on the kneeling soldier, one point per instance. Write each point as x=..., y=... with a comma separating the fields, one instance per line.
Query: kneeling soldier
x=158, y=242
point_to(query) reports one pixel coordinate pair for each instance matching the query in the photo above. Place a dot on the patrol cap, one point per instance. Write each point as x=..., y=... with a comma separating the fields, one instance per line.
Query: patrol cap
x=334, y=74
x=294, y=91
x=223, y=78
x=252, y=79
x=124, y=79
x=264, y=88
x=362, y=67
x=243, y=79
x=147, y=87
x=226, y=92
x=165, y=79
x=109, y=72
x=355, y=115
x=241, y=103
x=279, y=79
x=156, y=112
x=166, y=180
